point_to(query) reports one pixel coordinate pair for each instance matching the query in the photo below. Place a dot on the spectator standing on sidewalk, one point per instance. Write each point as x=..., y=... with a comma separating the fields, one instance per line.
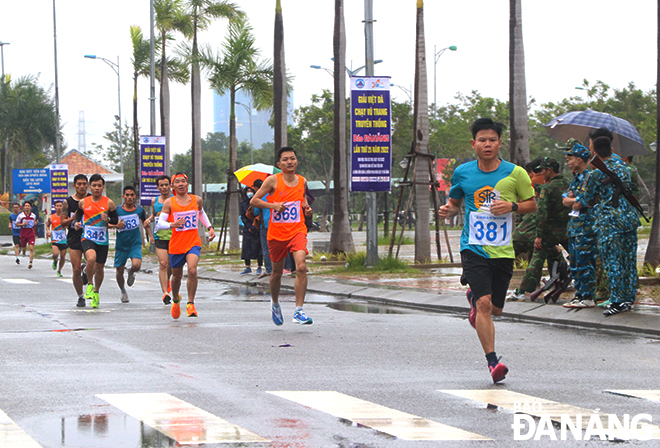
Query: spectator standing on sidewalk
x=264, y=214
x=251, y=245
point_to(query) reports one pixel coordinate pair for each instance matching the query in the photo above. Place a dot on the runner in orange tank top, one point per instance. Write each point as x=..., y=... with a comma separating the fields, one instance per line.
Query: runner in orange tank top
x=286, y=230
x=57, y=235
x=186, y=212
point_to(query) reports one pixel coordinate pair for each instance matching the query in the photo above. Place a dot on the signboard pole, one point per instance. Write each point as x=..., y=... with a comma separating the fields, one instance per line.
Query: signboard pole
x=372, y=213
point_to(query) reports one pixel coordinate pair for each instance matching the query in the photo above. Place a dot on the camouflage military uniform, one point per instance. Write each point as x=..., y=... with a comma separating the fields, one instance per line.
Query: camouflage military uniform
x=523, y=237
x=634, y=179
x=582, y=247
x=551, y=220
x=616, y=230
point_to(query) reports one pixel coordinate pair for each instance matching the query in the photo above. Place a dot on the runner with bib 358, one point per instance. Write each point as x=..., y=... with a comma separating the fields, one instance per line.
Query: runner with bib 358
x=492, y=189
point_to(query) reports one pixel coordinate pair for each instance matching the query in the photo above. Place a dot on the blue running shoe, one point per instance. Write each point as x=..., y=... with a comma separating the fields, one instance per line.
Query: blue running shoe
x=277, y=313
x=299, y=317
x=247, y=270
x=259, y=270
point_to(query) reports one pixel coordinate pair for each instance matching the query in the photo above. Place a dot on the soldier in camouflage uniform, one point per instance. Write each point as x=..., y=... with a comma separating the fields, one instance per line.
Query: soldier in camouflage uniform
x=525, y=233
x=581, y=237
x=551, y=221
x=616, y=223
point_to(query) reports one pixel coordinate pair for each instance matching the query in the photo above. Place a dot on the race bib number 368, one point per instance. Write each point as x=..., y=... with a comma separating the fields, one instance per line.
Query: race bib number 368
x=490, y=230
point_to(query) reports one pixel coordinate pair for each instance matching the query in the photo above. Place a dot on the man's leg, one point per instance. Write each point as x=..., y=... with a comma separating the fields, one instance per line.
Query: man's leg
x=62, y=260
x=76, y=258
x=177, y=275
x=120, y=278
x=532, y=275
x=56, y=254
x=191, y=284
x=98, y=276
x=90, y=270
x=300, y=283
x=164, y=271
x=484, y=324
x=276, y=280
x=31, y=252
x=17, y=249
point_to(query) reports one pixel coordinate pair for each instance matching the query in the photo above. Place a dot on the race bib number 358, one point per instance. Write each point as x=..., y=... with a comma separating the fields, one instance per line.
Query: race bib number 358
x=490, y=230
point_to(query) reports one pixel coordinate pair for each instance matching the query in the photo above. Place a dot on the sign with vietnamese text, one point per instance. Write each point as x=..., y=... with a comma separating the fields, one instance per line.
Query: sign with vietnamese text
x=31, y=181
x=59, y=183
x=152, y=165
x=371, y=124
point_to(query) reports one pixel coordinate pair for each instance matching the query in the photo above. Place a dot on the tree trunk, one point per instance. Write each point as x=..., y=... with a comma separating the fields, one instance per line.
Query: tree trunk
x=232, y=184
x=165, y=106
x=196, y=90
x=421, y=140
x=653, y=249
x=341, y=239
x=279, y=83
x=136, y=135
x=519, y=147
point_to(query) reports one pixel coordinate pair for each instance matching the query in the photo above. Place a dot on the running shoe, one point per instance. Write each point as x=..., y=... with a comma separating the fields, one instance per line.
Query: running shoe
x=18, y=261
x=585, y=303
x=167, y=299
x=247, y=270
x=618, y=307
x=124, y=297
x=472, y=317
x=572, y=304
x=81, y=302
x=516, y=297
x=84, y=273
x=54, y=265
x=175, y=311
x=276, y=310
x=95, y=300
x=30, y=265
x=299, y=317
x=259, y=271
x=604, y=303
x=89, y=292
x=264, y=275
x=190, y=310
x=498, y=373
x=59, y=273
x=131, y=278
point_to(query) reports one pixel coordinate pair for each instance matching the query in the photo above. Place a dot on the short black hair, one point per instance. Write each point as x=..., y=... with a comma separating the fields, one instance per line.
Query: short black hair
x=603, y=146
x=485, y=124
x=78, y=177
x=28, y=202
x=59, y=201
x=533, y=164
x=257, y=184
x=96, y=177
x=163, y=177
x=128, y=187
x=284, y=149
x=15, y=203
x=601, y=132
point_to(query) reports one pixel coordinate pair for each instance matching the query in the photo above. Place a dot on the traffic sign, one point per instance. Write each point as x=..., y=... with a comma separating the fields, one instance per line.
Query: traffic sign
x=31, y=181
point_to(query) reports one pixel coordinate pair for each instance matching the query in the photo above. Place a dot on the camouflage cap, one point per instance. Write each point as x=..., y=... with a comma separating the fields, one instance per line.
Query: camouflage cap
x=550, y=163
x=579, y=151
x=569, y=144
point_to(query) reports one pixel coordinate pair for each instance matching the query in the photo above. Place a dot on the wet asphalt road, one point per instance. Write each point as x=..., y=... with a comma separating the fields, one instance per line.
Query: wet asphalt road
x=58, y=358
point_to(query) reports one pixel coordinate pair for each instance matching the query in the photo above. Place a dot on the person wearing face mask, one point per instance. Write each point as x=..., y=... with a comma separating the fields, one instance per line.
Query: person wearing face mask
x=251, y=246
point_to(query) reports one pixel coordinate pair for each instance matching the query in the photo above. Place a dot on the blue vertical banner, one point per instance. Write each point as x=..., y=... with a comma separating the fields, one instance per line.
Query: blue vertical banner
x=152, y=165
x=371, y=132
x=59, y=183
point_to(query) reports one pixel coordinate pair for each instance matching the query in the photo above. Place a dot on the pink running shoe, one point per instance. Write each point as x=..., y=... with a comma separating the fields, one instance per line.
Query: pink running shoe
x=498, y=372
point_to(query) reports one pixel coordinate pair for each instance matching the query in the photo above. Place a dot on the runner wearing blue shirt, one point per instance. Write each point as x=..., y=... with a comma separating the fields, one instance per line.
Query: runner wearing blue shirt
x=492, y=190
x=128, y=243
x=15, y=230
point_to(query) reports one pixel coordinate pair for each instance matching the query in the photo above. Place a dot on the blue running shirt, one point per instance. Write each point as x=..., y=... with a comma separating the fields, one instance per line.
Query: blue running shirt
x=484, y=233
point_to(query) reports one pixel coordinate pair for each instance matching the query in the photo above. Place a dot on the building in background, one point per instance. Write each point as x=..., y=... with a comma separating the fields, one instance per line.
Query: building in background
x=262, y=132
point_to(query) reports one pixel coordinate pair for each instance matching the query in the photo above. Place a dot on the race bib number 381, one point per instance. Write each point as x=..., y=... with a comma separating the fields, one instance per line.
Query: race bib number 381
x=490, y=230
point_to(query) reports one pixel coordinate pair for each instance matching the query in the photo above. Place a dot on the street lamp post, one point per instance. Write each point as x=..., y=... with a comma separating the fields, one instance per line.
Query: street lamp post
x=4, y=149
x=435, y=64
x=115, y=67
x=248, y=109
x=348, y=70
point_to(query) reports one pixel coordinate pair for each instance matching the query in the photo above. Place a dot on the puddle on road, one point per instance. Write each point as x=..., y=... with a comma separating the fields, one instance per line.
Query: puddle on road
x=103, y=430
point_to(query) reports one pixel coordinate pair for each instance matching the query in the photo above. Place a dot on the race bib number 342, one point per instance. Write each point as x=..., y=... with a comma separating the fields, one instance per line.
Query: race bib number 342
x=490, y=230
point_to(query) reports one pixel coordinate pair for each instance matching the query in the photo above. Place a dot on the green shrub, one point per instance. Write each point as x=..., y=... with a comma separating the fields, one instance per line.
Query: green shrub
x=4, y=224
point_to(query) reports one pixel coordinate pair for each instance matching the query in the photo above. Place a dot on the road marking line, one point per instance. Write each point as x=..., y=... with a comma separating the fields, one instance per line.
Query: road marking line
x=178, y=420
x=539, y=407
x=12, y=436
x=653, y=395
x=390, y=421
x=20, y=281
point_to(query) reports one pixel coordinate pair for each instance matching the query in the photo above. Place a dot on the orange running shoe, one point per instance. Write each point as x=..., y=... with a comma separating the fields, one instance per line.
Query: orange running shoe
x=190, y=309
x=175, y=311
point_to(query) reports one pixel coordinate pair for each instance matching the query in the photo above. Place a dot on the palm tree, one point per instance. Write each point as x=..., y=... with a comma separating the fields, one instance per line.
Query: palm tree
x=201, y=12
x=140, y=61
x=519, y=148
x=279, y=82
x=421, y=141
x=170, y=16
x=341, y=239
x=653, y=249
x=237, y=68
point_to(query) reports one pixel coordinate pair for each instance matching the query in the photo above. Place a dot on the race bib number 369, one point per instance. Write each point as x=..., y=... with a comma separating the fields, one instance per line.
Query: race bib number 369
x=490, y=230
x=290, y=215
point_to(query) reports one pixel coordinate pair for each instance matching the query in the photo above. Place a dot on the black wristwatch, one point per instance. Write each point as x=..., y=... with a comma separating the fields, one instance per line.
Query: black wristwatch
x=514, y=206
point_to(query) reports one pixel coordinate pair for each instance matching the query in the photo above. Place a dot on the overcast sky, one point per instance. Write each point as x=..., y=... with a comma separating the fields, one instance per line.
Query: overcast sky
x=565, y=42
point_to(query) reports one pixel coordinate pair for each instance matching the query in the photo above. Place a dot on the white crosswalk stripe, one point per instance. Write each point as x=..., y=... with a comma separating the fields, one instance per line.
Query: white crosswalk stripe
x=20, y=281
x=11, y=436
x=653, y=395
x=178, y=420
x=390, y=421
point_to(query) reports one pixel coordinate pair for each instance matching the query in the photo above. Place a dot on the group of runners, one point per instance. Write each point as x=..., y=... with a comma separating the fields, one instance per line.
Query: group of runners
x=80, y=226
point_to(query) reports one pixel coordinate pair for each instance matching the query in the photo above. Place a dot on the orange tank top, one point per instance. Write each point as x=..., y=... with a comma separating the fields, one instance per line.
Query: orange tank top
x=58, y=234
x=186, y=237
x=95, y=229
x=284, y=226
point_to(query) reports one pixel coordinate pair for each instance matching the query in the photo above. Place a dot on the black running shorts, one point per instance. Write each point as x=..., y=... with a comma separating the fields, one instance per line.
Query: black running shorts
x=100, y=249
x=16, y=239
x=162, y=244
x=73, y=240
x=487, y=276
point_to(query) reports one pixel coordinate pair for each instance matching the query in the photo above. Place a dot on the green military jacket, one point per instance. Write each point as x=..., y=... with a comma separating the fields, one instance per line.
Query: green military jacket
x=551, y=215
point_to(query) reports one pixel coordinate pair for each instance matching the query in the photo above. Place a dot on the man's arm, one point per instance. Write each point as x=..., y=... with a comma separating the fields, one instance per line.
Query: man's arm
x=268, y=187
x=204, y=218
x=450, y=209
x=66, y=219
x=151, y=216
